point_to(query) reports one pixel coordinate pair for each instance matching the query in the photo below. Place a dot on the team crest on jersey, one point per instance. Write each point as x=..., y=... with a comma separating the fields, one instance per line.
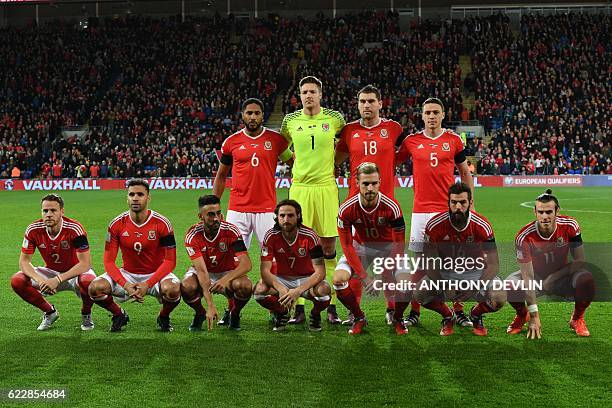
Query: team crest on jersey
x=326, y=127
x=382, y=221
x=446, y=147
x=302, y=251
x=268, y=145
x=65, y=245
x=560, y=242
x=222, y=247
x=384, y=133
x=152, y=236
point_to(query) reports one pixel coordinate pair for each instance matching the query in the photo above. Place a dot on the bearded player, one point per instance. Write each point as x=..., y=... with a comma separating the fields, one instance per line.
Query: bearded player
x=301, y=271
x=466, y=238
x=148, y=253
x=435, y=153
x=312, y=131
x=379, y=230
x=251, y=154
x=370, y=139
x=220, y=262
x=63, y=245
x=542, y=250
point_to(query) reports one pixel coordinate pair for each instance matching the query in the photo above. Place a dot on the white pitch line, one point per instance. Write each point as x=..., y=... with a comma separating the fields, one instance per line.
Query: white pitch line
x=529, y=204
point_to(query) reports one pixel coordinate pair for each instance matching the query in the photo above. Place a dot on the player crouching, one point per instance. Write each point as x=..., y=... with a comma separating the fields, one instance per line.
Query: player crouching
x=300, y=267
x=379, y=230
x=62, y=243
x=148, y=252
x=464, y=237
x=542, y=250
x=220, y=262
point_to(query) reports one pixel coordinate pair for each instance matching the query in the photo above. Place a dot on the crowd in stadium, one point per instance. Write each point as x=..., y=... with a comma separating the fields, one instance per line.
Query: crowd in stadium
x=160, y=96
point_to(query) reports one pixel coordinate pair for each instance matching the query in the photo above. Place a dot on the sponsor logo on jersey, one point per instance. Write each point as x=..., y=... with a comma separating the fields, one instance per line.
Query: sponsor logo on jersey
x=65, y=245
x=384, y=133
x=421, y=146
x=326, y=127
x=268, y=145
x=433, y=145
x=242, y=147
x=356, y=135
x=138, y=234
x=152, y=235
x=222, y=247
x=43, y=246
x=125, y=234
x=254, y=145
x=382, y=221
x=560, y=242
x=299, y=129
x=446, y=147
x=281, y=251
x=302, y=251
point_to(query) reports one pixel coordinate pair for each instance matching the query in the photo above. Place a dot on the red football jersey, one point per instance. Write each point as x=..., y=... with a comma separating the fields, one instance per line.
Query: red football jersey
x=253, y=161
x=220, y=252
x=292, y=259
x=142, y=246
x=452, y=243
x=375, y=225
x=59, y=252
x=374, y=144
x=433, y=167
x=547, y=254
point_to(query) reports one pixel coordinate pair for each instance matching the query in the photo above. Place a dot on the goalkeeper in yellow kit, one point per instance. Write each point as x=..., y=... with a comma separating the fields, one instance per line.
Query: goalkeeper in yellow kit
x=313, y=131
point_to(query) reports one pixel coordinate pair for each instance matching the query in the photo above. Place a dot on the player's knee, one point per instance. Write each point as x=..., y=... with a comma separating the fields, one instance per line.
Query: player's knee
x=420, y=296
x=322, y=289
x=85, y=281
x=242, y=287
x=99, y=287
x=19, y=280
x=189, y=288
x=170, y=290
x=341, y=277
x=260, y=289
x=498, y=299
x=585, y=285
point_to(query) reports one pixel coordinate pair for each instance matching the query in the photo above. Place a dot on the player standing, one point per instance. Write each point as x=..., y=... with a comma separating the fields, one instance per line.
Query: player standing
x=63, y=245
x=370, y=139
x=542, y=251
x=220, y=262
x=467, y=238
x=435, y=153
x=148, y=253
x=301, y=270
x=313, y=130
x=379, y=231
x=251, y=154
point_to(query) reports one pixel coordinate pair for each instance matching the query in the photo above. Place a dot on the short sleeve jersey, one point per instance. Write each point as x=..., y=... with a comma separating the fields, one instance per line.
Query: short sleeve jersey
x=293, y=259
x=220, y=252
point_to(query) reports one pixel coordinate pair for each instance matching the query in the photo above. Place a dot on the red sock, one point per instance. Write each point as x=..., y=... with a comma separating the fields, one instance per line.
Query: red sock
x=22, y=285
x=84, y=281
x=439, y=307
x=196, y=305
x=585, y=292
x=319, y=305
x=579, y=309
x=481, y=308
x=400, y=307
x=458, y=307
x=348, y=299
x=357, y=288
x=109, y=304
x=168, y=307
x=271, y=303
x=520, y=308
x=415, y=307
x=238, y=305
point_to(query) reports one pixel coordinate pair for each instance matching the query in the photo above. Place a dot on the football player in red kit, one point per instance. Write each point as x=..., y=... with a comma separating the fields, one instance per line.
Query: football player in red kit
x=62, y=243
x=220, y=262
x=379, y=230
x=148, y=253
x=466, y=239
x=300, y=267
x=542, y=250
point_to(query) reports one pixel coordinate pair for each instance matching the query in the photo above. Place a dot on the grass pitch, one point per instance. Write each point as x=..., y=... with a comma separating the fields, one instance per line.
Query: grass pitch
x=143, y=367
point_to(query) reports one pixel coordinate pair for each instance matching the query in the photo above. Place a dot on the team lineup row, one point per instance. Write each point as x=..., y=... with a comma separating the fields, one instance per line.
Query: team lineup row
x=313, y=140
x=370, y=225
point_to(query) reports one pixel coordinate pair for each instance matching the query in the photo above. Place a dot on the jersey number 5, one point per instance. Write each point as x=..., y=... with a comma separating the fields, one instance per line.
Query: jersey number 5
x=433, y=157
